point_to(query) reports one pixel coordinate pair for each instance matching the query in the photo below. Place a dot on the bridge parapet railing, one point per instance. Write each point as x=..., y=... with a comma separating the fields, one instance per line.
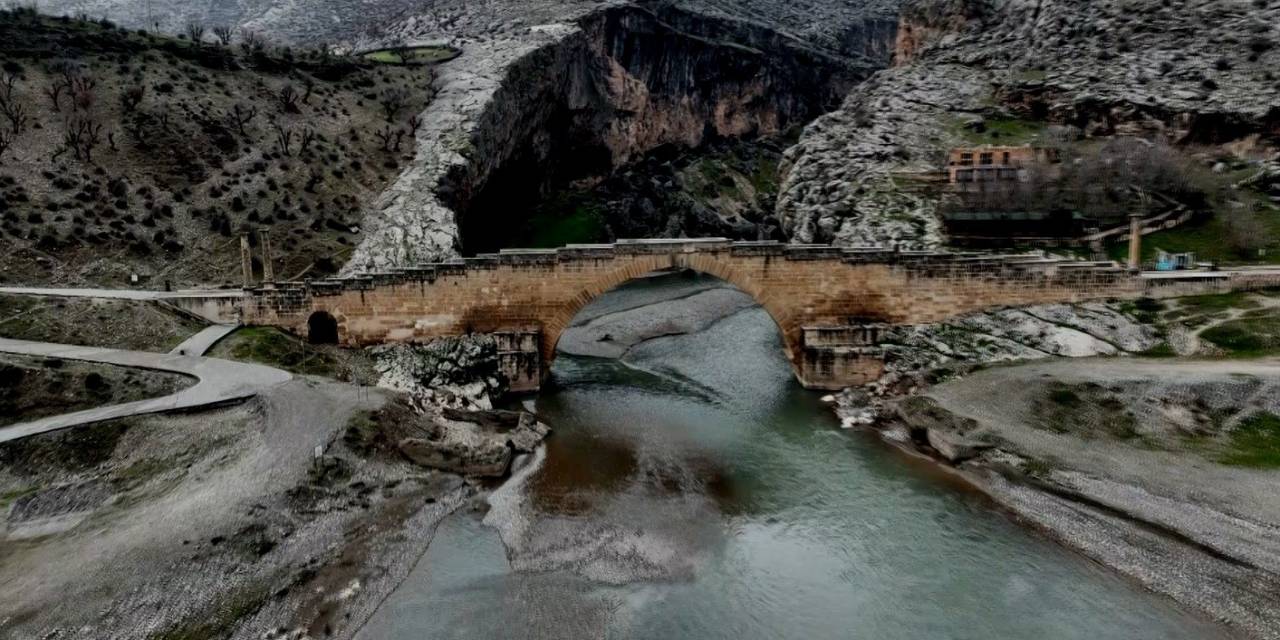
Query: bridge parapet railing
x=757, y=248
x=528, y=257
x=941, y=263
x=663, y=245
x=586, y=252
x=812, y=252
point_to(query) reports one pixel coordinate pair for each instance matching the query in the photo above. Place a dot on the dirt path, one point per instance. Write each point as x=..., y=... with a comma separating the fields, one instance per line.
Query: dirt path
x=200, y=343
x=220, y=381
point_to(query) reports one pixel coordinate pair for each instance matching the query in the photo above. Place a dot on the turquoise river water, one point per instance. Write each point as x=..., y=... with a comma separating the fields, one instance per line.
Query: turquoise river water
x=695, y=490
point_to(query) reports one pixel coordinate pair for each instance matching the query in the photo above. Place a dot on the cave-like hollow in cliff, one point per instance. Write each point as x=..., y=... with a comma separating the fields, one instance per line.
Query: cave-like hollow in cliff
x=633, y=80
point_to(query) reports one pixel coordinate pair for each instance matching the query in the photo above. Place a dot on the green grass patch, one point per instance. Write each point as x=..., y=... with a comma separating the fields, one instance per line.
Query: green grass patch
x=7, y=498
x=1208, y=240
x=1247, y=337
x=1144, y=310
x=273, y=347
x=413, y=55
x=1087, y=410
x=582, y=223
x=1001, y=131
x=1162, y=350
x=1255, y=442
x=1218, y=302
x=1064, y=397
x=362, y=433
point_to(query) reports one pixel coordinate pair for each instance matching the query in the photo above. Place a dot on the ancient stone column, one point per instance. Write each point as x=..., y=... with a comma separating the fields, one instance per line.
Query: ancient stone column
x=268, y=275
x=246, y=261
x=1135, y=241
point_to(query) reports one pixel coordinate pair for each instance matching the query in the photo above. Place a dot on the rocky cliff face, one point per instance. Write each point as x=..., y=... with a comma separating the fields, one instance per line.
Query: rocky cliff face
x=632, y=80
x=1190, y=72
x=618, y=83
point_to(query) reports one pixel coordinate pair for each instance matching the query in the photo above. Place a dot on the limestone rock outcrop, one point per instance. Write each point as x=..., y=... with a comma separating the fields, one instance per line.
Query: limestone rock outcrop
x=473, y=443
x=1186, y=71
x=1043, y=331
x=458, y=372
x=577, y=99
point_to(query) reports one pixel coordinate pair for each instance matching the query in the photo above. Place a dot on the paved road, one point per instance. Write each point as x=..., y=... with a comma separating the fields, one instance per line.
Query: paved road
x=219, y=381
x=202, y=341
x=124, y=294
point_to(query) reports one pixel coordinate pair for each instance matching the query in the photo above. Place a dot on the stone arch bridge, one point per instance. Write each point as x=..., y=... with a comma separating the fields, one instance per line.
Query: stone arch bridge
x=828, y=302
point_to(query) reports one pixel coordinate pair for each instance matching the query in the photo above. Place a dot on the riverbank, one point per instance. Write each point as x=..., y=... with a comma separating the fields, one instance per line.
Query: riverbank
x=1152, y=484
x=1138, y=487
x=223, y=523
x=1162, y=469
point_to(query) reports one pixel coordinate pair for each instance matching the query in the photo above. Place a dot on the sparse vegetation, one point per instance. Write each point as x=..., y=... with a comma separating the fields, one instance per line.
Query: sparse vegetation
x=31, y=389
x=1247, y=337
x=273, y=347
x=119, y=324
x=1087, y=410
x=1255, y=442
x=139, y=145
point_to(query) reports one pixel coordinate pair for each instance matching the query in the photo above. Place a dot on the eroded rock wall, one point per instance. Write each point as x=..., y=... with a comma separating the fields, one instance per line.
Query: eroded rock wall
x=629, y=81
x=1186, y=71
x=591, y=97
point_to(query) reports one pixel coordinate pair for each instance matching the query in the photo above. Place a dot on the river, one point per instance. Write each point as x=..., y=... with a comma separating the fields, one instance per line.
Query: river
x=695, y=490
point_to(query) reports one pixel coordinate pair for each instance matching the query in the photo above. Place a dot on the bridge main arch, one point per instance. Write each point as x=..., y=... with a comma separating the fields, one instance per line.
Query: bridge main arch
x=555, y=324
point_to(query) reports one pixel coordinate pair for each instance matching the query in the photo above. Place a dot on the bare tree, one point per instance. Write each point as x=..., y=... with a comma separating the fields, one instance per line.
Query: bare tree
x=12, y=110
x=386, y=135
x=132, y=97
x=224, y=34
x=195, y=31
x=7, y=84
x=1246, y=233
x=284, y=137
x=82, y=136
x=288, y=99
x=55, y=90
x=393, y=101
x=306, y=140
x=415, y=123
x=401, y=50
x=78, y=86
x=252, y=41
x=6, y=140
x=242, y=115
x=16, y=113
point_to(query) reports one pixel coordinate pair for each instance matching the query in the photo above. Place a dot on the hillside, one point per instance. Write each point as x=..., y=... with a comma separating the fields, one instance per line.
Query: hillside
x=1199, y=76
x=127, y=152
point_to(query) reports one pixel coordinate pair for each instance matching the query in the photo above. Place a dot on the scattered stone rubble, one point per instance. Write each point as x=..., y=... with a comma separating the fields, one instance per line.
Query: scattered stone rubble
x=916, y=355
x=451, y=385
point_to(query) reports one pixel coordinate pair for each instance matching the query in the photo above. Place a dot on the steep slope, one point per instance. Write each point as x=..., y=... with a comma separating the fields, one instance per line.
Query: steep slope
x=127, y=153
x=1186, y=71
x=579, y=100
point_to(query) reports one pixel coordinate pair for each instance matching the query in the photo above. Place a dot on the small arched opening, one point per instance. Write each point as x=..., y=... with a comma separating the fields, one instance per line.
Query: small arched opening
x=322, y=328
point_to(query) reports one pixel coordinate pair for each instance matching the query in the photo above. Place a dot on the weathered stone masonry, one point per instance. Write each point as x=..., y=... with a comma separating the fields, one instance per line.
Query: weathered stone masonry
x=827, y=301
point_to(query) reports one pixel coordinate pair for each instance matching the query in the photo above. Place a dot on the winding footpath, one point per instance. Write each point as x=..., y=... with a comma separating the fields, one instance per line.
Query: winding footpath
x=120, y=294
x=220, y=381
